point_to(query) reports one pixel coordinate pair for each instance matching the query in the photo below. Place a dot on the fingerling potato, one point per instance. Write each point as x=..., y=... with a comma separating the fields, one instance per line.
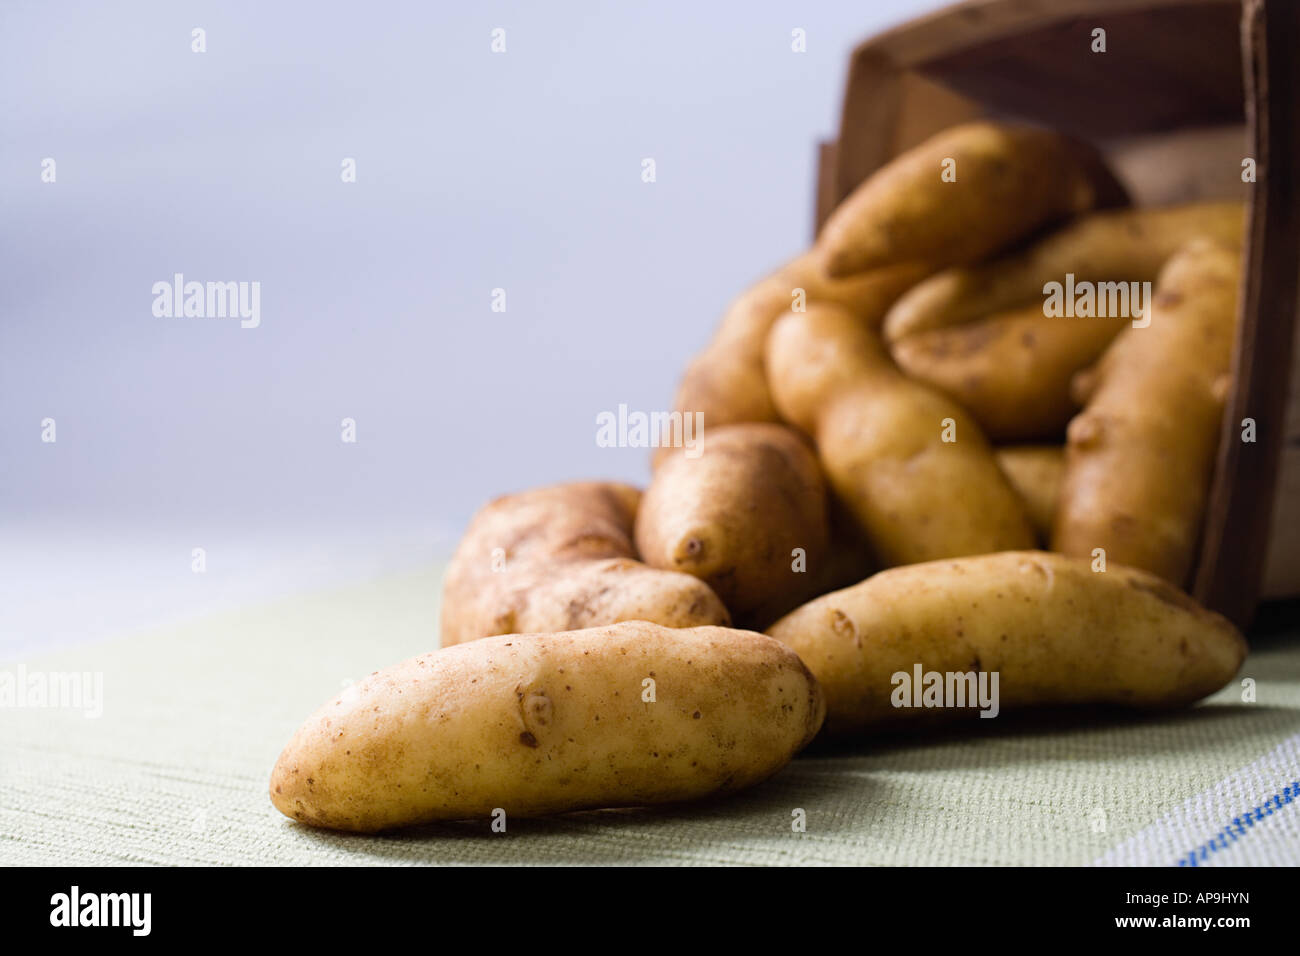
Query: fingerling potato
x=748, y=517
x=1140, y=456
x=962, y=195
x=626, y=715
x=1051, y=629
x=561, y=558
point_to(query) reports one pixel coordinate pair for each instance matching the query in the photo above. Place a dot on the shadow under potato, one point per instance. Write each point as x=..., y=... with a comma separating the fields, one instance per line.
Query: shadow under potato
x=696, y=831
x=1058, y=722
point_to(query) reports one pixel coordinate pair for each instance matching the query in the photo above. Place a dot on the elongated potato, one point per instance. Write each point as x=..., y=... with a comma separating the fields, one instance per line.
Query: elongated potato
x=727, y=383
x=1011, y=371
x=1009, y=181
x=1050, y=629
x=1035, y=471
x=561, y=558
x=735, y=516
x=880, y=437
x=625, y=715
x=1140, y=456
x=1120, y=245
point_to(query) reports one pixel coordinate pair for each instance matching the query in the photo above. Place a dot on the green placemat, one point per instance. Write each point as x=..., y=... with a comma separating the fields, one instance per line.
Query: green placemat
x=175, y=769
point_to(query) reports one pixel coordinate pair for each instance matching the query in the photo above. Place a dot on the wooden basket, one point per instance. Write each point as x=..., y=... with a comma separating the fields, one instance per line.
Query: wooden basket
x=1186, y=90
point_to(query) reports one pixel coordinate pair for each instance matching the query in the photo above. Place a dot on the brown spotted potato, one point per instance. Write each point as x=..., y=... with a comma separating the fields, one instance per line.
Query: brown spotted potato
x=561, y=558
x=625, y=715
x=1052, y=629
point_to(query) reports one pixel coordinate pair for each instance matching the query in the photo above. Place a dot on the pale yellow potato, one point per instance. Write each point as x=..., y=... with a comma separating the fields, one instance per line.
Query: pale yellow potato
x=880, y=438
x=726, y=382
x=546, y=723
x=1053, y=631
x=1119, y=245
x=735, y=516
x=1012, y=371
x=561, y=558
x=1140, y=456
x=1036, y=472
x=1009, y=182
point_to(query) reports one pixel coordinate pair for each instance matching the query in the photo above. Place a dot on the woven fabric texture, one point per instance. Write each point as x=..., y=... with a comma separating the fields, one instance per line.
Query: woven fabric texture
x=175, y=769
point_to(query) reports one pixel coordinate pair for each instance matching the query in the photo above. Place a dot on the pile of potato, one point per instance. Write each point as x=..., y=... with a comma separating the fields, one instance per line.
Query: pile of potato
x=894, y=401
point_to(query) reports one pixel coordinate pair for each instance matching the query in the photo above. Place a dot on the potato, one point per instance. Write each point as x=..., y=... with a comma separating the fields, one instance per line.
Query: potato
x=1009, y=181
x=850, y=557
x=1011, y=371
x=734, y=517
x=880, y=439
x=1035, y=471
x=1140, y=457
x=1050, y=629
x=624, y=715
x=561, y=558
x=726, y=382
x=848, y=560
x=1121, y=245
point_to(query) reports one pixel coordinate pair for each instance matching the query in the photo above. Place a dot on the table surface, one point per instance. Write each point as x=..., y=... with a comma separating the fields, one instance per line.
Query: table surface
x=174, y=770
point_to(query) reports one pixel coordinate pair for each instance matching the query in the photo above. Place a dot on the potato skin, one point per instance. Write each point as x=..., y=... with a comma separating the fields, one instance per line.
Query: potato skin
x=1011, y=371
x=1052, y=629
x=727, y=382
x=733, y=516
x=879, y=437
x=1036, y=472
x=546, y=723
x=1140, y=456
x=1119, y=245
x=569, y=563
x=848, y=559
x=1011, y=180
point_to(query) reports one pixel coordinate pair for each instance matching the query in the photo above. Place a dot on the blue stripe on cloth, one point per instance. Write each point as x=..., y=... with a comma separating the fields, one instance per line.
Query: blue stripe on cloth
x=1241, y=825
x=1215, y=821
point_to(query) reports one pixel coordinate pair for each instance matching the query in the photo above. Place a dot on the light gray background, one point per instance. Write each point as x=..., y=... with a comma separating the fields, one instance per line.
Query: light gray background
x=518, y=170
